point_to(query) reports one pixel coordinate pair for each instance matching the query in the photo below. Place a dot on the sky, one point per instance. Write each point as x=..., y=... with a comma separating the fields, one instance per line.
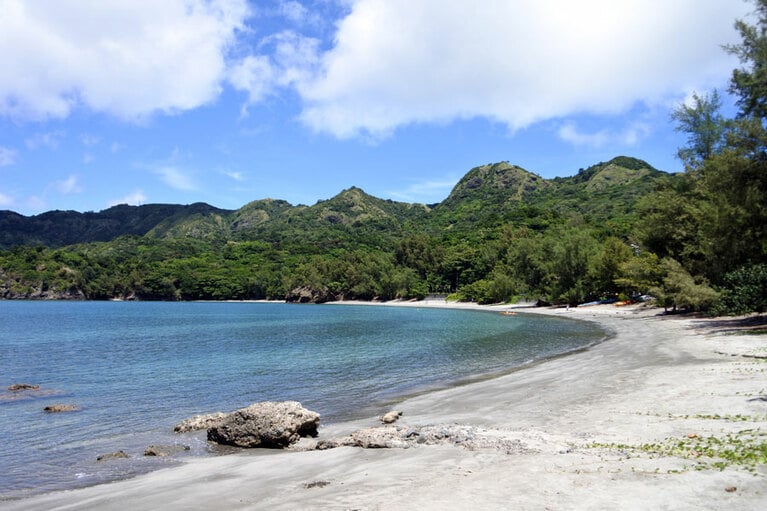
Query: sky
x=104, y=102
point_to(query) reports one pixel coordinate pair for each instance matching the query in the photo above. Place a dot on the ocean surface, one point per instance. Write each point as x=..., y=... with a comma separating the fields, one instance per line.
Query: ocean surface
x=135, y=369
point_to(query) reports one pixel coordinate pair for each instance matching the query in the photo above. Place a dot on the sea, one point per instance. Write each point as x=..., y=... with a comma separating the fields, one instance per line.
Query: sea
x=135, y=369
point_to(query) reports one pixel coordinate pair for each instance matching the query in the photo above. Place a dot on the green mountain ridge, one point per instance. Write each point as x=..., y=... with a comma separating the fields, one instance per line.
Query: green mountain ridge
x=486, y=196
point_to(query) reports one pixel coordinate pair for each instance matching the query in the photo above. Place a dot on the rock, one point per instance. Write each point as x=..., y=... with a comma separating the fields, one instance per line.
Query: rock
x=58, y=408
x=391, y=416
x=112, y=455
x=308, y=294
x=16, y=387
x=165, y=450
x=267, y=424
x=199, y=422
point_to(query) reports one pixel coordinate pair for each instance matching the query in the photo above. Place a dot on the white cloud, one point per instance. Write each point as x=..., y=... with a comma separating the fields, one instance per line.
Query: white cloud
x=6, y=200
x=629, y=136
x=288, y=59
x=397, y=62
x=129, y=59
x=50, y=140
x=7, y=156
x=237, y=176
x=134, y=198
x=89, y=140
x=175, y=177
x=425, y=192
x=69, y=186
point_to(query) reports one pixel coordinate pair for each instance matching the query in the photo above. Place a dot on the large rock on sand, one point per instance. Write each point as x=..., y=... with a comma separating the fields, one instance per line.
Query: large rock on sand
x=268, y=424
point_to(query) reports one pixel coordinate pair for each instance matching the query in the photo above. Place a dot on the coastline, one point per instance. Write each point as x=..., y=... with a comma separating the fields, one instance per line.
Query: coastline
x=657, y=377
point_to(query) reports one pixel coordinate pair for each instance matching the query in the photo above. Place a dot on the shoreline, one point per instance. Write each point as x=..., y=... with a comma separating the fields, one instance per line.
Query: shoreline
x=656, y=377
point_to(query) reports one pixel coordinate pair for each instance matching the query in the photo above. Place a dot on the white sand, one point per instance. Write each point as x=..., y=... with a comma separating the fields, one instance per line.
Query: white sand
x=656, y=378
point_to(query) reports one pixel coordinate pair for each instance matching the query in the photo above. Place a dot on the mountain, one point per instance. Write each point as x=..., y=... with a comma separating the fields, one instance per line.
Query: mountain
x=61, y=228
x=501, y=232
x=487, y=196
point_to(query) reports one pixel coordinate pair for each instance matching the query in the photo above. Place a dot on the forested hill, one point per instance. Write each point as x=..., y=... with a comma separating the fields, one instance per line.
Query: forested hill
x=486, y=197
x=60, y=228
x=503, y=232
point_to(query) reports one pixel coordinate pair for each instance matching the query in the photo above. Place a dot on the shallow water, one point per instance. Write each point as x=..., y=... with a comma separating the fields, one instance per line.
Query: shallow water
x=136, y=369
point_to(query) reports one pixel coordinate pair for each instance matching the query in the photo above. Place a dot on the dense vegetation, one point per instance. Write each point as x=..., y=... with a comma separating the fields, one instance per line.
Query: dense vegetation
x=618, y=229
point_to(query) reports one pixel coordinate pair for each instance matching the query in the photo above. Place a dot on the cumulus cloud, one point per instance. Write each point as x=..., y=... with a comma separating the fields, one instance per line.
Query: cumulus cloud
x=129, y=59
x=397, y=62
x=7, y=156
x=286, y=59
x=134, y=198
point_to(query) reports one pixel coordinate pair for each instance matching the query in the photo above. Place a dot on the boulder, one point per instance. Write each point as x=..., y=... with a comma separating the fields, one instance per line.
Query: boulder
x=165, y=450
x=268, y=424
x=391, y=416
x=199, y=422
x=58, y=408
x=16, y=387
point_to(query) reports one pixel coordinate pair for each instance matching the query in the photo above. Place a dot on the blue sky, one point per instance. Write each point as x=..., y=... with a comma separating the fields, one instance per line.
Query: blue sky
x=229, y=101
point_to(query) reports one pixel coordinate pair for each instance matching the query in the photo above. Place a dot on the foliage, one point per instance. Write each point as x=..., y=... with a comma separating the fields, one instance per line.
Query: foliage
x=745, y=291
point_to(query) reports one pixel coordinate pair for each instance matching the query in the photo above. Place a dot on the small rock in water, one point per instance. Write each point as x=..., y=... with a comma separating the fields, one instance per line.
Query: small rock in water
x=23, y=386
x=165, y=450
x=60, y=408
x=112, y=455
x=391, y=416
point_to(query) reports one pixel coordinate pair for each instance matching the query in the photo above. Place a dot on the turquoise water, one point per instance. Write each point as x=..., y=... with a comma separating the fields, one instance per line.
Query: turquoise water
x=136, y=369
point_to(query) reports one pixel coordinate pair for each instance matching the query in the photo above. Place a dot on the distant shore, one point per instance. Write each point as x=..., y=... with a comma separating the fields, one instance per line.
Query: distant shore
x=577, y=424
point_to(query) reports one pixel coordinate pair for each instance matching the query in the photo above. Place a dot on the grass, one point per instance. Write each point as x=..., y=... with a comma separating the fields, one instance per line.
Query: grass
x=746, y=449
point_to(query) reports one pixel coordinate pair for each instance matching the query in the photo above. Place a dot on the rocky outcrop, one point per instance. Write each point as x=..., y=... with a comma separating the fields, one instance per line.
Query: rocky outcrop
x=165, y=450
x=267, y=424
x=58, y=408
x=307, y=294
x=403, y=437
x=199, y=422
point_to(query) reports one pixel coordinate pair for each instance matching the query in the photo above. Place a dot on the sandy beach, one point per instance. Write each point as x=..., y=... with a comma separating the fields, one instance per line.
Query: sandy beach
x=562, y=434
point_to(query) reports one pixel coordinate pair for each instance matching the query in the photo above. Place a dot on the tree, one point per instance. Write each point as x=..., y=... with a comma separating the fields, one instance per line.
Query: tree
x=749, y=83
x=705, y=127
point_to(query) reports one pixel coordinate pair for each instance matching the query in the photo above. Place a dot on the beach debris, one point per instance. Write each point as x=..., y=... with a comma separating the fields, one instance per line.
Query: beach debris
x=392, y=416
x=267, y=424
x=58, y=408
x=692, y=435
x=731, y=489
x=16, y=387
x=199, y=422
x=316, y=484
x=112, y=455
x=165, y=450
